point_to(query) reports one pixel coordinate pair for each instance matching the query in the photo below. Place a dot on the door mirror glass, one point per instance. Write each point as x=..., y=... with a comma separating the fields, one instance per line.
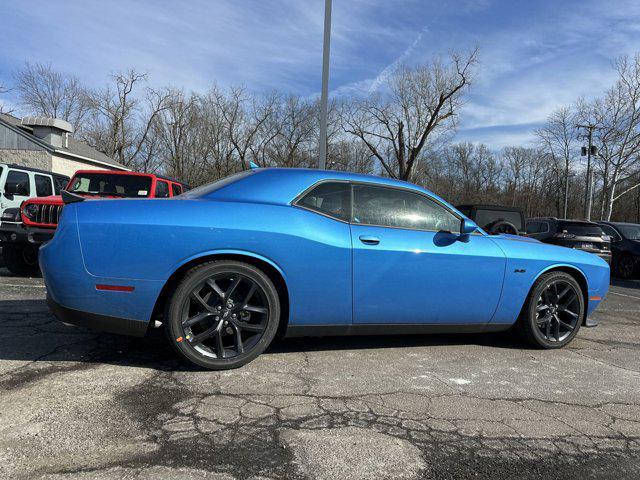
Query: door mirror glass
x=468, y=226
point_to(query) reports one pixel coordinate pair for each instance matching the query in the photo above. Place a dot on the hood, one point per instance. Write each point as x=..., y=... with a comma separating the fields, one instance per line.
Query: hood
x=516, y=238
x=51, y=200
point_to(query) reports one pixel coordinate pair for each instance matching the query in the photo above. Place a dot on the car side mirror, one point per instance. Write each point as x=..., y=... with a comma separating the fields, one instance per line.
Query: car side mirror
x=11, y=189
x=468, y=226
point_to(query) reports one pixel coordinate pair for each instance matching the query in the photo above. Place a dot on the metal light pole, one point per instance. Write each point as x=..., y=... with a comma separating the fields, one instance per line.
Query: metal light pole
x=588, y=197
x=322, y=147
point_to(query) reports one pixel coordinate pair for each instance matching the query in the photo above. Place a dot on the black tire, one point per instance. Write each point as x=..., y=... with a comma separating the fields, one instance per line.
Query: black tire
x=188, y=303
x=502, y=226
x=21, y=260
x=624, y=266
x=530, y=324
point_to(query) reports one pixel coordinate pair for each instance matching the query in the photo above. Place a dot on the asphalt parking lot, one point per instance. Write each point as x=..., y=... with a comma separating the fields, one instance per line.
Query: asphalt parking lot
x=77, y=404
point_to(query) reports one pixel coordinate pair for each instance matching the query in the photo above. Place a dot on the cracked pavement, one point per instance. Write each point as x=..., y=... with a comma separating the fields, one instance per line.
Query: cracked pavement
x=80, y=404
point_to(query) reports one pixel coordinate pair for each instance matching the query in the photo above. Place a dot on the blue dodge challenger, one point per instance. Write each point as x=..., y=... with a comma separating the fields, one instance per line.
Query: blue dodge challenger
x=228, y=266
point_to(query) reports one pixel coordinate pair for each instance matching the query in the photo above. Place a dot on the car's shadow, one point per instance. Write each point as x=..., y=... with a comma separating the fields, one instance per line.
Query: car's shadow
x=29, y=333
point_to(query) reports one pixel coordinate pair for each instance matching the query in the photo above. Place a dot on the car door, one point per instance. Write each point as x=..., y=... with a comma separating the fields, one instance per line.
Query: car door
x=412, y=266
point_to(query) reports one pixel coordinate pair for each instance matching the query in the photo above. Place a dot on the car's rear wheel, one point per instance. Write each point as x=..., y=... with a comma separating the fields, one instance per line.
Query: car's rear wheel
x=553, y=312
x=624, y=266
x=223, y=314
x=21, y=260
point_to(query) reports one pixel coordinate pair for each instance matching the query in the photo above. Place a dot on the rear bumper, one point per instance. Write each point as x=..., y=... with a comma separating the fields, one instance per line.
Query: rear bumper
x=94, y=321
x=15, y=233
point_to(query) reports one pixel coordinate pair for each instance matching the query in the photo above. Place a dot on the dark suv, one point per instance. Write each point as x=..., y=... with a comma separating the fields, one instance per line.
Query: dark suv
x=580, y=234
x=625, y=248
x=495, y=219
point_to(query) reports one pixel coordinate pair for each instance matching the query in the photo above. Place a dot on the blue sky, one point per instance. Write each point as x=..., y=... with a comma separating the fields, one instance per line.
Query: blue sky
x=535, y=55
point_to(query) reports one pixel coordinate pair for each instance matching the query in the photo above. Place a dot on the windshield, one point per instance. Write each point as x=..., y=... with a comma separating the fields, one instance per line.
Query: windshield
x=111, y=185
x=484, y=218
x=630, y=232
x=580, y=229
x=212, y=187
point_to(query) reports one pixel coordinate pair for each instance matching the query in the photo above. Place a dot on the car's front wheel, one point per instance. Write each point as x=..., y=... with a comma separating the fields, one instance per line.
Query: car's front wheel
x=223, y=314
x=553, y=312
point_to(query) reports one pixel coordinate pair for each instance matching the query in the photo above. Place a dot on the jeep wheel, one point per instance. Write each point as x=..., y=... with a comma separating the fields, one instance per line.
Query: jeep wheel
x=21, y=260
x=223, y=314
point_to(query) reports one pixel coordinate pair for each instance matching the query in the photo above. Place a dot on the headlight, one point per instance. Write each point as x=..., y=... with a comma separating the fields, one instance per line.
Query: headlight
x=30, y=211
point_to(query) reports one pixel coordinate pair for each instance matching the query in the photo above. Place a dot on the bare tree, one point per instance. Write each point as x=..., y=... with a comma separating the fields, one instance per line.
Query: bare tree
x=44, y=91
x=120, y=121
x=617, y=118
x=422, y=103
x=558, y=138
x=3, y=107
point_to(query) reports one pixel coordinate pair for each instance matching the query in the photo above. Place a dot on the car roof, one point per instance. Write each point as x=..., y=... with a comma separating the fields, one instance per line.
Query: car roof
x=629, y=224
x=503, y=208
x=32, y=169
x=139, y=174
x=283, y=185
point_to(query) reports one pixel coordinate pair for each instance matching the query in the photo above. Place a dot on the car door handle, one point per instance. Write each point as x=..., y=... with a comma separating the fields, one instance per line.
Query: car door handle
x=367, y=240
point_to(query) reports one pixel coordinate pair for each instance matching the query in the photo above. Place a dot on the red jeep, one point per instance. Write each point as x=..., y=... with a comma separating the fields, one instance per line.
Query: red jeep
x=23, y=230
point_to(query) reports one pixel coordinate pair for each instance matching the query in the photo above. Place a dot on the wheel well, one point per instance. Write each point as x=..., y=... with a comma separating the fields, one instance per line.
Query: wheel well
x=582, y=281
x=273, y=274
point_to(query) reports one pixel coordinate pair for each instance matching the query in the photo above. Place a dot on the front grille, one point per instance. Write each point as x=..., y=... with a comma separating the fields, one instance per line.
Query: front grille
x=48, y=214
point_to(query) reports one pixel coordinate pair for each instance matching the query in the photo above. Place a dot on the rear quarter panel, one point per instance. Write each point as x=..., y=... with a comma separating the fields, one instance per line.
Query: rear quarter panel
x=150, y=239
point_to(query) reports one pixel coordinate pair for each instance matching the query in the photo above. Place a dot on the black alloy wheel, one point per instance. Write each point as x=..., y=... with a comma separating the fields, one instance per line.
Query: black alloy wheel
x=553, y=312
x=223, y=314
x=625, y=266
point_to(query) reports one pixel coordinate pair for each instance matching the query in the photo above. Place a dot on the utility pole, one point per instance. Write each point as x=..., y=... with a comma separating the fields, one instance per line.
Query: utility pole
x=322, y=147
x=588, y=194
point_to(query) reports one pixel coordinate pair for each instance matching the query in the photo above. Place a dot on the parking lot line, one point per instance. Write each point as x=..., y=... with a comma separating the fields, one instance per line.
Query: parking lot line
x=624, y=295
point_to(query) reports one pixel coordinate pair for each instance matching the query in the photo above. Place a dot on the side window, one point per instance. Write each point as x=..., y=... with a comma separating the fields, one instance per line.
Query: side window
x=162, y=189
x=19, y=181
x=176, y=188
x=44, y=188
x=533, y=227
x=390, y=207
x=59, y=183
x=609, y=230
x=330, y=198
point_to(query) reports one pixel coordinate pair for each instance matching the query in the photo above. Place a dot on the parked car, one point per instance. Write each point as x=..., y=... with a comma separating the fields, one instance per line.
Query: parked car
x=307, y=252
x=625, y=248
x=26, y=228
x=576, y=234
x=18, y=183
x=495, y=219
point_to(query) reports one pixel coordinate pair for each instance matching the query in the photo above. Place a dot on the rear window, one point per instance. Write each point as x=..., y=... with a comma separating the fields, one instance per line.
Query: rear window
x=484, y=218
x=580, y=229
x=205, y=190
x=111, y=185
x=630, y=232
x=176, y=188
